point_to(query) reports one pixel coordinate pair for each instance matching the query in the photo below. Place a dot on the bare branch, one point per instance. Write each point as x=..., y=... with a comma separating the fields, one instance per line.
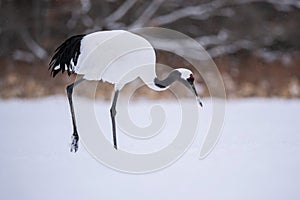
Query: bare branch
x=295, y=3
x=220, y=44
x=85, y=6
x=207, y=10
x=35, y=48
x=186, y=12
x=72, y=22
x=148, y=13
x=120, y=12
x=23, y=56
x=210, y=40
x=81, y=13
x=231, y=48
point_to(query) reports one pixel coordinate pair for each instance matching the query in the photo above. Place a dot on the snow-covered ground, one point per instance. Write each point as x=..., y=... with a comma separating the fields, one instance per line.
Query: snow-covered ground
x=257, y=157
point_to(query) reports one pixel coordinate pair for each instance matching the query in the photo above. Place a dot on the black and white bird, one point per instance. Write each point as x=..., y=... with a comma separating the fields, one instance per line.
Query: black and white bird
x=110, y=56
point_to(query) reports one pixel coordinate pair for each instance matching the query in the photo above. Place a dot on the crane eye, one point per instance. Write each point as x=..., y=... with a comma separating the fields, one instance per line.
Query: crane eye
x=191, y=79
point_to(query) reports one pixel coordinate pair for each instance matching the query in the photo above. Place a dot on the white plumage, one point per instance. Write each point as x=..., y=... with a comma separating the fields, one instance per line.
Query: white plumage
x=109, y=55
x=117, y=57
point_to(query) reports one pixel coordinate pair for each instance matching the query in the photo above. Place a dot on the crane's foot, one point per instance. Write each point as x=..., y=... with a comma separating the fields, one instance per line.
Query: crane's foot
x=74, y=144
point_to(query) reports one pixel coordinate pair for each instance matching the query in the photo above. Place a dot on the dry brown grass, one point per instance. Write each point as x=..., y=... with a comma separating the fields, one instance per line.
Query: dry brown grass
x=247, y=76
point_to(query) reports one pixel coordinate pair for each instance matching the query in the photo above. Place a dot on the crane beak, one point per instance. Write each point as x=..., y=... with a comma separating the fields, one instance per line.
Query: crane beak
x=196, y=94
x=191, y=86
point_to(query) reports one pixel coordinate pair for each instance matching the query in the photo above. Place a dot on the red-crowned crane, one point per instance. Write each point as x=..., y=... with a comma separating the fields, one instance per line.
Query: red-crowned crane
x=110, y=56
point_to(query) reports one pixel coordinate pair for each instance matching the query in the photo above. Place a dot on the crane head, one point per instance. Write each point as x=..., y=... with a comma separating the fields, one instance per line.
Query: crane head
x=187, y=78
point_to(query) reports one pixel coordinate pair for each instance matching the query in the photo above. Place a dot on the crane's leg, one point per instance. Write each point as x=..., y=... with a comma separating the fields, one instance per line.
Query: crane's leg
x=75, y=137
x=113, y=113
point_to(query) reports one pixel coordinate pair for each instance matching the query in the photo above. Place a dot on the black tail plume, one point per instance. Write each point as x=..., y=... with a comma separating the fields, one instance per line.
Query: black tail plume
x=68, y=51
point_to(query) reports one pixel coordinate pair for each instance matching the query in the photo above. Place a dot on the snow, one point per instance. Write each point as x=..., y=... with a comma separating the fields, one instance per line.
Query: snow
x=257, y=157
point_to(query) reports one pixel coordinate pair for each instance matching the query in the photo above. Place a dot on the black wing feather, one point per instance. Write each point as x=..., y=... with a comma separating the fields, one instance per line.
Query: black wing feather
x=67, y=51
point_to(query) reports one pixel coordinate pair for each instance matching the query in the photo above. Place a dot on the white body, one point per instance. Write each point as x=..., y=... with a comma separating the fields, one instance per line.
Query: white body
x=117, y=57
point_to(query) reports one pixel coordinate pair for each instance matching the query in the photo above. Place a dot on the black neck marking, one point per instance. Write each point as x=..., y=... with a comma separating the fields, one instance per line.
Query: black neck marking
x=67, y=51
x=173, y=76
x=156, y=82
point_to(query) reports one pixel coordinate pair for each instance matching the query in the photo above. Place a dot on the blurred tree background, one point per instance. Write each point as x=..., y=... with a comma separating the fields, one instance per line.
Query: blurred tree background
x=255, y=43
